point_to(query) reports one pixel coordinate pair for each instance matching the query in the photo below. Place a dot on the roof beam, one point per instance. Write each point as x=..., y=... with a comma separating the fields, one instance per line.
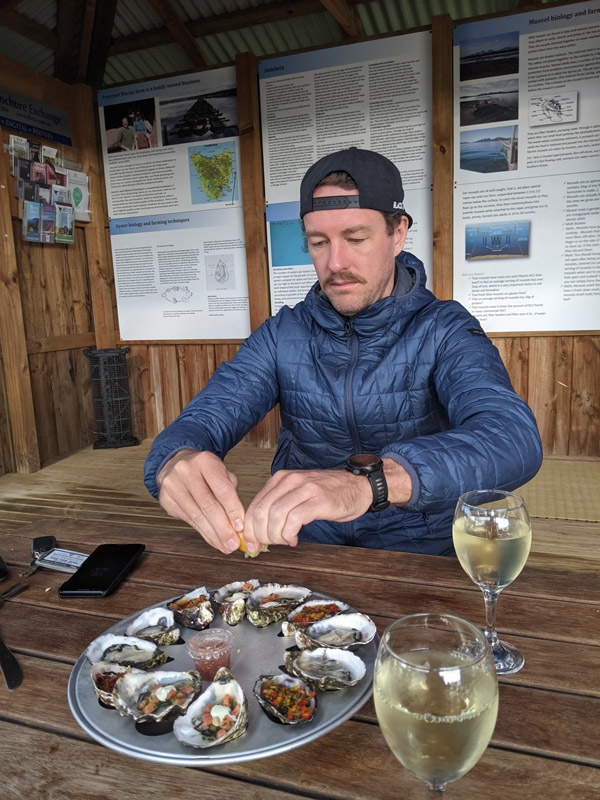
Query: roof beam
x=344, y=16
x=26, y=27
x=66, y=57
x=179, y=31
x=104, y=20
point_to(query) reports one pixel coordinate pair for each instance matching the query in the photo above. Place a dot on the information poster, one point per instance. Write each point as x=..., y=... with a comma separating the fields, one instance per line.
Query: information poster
x=171, y=163
x=527, y=169
x=374, y=95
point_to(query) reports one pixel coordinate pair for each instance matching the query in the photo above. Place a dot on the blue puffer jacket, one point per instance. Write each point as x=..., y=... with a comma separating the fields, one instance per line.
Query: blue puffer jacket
x=412, y=378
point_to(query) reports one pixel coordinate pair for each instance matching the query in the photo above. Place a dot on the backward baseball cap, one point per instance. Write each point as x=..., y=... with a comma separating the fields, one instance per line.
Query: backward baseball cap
x=378, y=180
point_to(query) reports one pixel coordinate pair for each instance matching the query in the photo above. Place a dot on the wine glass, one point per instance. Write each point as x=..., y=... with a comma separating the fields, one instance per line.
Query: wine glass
x=436, y=695
x=492, y=539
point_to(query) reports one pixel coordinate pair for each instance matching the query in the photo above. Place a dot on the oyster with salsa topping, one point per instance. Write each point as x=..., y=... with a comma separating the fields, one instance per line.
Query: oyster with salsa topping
x=326, y=668
x=156, y=625
x=219, y=715
x=231, y=599
x=154, y=696
x=343, y=630
x=194, y=609
x=286, y=698
x=128, y=651
x=104, y=675
x=311, y=611
x=272, y=602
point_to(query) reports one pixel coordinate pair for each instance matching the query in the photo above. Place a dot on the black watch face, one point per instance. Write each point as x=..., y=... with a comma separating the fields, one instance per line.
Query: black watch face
x=364, y=460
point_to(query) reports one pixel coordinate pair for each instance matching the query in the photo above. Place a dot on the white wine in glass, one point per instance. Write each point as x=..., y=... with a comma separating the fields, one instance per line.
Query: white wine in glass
x=436, y=695
x=492, y=539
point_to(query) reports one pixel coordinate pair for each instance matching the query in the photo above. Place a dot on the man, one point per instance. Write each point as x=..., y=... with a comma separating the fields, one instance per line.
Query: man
x=125, y=135
x=392, y=402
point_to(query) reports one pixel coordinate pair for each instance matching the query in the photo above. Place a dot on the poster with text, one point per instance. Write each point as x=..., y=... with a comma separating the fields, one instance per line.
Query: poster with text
x=527, y=169
x=172, y=172
x=374, y=95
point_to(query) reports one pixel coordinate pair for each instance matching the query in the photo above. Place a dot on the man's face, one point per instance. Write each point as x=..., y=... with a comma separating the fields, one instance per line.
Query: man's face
x=125, y=122
x=352, y=253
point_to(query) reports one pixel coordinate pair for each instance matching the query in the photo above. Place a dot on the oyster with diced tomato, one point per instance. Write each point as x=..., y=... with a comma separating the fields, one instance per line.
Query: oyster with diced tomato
x=326, y=668
x=272, y=602
x=129, y=651
x=311, y=611
x=343, y=630
x=219, y=715
x=286, y=698
x=156, y=625
x=194, y=609
x=231, y=599
x=104, y=675
x=156, y=695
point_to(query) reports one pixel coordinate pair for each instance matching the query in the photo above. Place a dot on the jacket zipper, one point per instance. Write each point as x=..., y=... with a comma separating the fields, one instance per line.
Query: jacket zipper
x=348, y=396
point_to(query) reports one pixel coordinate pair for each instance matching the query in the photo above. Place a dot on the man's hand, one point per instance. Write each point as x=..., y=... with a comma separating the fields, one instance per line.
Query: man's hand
x=199, y=489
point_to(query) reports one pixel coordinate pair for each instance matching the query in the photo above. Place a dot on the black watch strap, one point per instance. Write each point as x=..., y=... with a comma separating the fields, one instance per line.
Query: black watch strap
x=372, y=468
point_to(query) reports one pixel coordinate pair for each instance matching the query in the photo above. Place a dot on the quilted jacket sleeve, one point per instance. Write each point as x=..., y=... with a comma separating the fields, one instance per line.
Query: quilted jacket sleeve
x=236, y=398
x=492, y=440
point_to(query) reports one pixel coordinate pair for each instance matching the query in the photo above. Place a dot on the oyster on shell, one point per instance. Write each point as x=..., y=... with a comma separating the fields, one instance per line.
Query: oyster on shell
x=272, y=602
x=311, y=611
x=343, y=630
x=129, y=651
x=286, y=698
x=194, y=609
x=219, y=715
x=231, y=599
x=154, y=696
x=104, y=675
x=156, y=625
x=327, y=668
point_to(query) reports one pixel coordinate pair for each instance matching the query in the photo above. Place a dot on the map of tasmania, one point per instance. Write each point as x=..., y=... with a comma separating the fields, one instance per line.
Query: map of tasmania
x=213, y=173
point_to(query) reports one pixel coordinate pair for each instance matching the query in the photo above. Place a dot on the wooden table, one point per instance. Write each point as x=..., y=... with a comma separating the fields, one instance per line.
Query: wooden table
x=547, y=738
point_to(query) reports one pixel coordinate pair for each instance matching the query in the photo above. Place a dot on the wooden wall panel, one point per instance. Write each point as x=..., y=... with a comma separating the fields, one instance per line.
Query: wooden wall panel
x=7, y=458
x=515, y=354
x=550, y=367
x=585, y=397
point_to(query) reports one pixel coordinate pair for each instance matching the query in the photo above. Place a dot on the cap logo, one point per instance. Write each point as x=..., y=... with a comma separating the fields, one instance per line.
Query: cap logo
x=399, y=206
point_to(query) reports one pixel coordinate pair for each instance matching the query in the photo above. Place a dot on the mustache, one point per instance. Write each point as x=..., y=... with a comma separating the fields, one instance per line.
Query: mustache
x=344, y=277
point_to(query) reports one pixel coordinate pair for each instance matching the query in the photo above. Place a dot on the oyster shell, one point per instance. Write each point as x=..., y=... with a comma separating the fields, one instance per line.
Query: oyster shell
x=156, y=625
x=342, y=630
x=231, y=599
x=327, y=668
x=286, y=698
x=311, y=611
x=194, y=609
x=219, y=715
x=129, y=651
x=272, y=602
x=154, y=696
x=104, y=675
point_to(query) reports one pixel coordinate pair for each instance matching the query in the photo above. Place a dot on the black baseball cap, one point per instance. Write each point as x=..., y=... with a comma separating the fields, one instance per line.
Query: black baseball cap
x=378, y=179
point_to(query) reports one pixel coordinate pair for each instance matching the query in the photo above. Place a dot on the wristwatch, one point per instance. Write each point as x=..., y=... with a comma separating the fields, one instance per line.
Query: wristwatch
x=371, y=467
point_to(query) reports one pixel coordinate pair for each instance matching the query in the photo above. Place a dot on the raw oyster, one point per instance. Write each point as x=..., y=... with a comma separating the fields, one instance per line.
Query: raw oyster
x=272, y=602
x=231, y=599
x=194, y=609
x=343, y=630
x=309, y=612
x=219, y=715
x=154, y=696
x=130, y=651
x=156, y=625
x=104, y=675
x=286, y=698
x=327, y=668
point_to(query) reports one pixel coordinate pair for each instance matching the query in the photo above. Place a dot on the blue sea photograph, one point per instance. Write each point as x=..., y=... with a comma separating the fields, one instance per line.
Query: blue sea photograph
x=506, y=239
x=489, y=149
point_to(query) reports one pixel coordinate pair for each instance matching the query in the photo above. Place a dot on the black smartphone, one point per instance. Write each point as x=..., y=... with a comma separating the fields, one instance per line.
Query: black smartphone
x=102, y=571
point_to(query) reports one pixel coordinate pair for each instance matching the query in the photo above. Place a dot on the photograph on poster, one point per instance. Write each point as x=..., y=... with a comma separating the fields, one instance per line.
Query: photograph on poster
x=288, y=243
x=483, y=102
x=193, y=119
x=490, y=149
x=555, y=109
x=130, y=126
x=214, y=174
x=489, y=56
x=491, y=240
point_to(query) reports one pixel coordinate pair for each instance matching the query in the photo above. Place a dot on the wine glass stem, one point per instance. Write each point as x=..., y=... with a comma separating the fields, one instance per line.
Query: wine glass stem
x=491, y=600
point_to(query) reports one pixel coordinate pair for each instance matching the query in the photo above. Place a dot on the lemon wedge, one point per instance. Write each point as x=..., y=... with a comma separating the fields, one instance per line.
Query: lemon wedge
x=244, y=548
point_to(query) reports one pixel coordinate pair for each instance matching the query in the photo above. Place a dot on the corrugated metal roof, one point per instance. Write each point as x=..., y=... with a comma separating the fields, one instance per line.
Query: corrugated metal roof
x=290, y=28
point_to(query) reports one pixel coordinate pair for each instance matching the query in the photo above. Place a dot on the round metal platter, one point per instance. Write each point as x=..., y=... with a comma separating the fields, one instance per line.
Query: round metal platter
x=256, y=651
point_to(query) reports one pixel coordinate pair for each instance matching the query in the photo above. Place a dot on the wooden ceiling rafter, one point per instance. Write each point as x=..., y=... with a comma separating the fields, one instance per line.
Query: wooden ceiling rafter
x=345, y=17
x=179, y=31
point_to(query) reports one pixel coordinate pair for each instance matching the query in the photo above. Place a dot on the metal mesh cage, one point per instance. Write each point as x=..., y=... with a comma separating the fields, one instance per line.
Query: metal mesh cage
x=111, y=398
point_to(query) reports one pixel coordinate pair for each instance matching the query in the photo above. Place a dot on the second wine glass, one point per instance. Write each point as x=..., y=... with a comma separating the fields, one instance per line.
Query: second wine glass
x=492, y=539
